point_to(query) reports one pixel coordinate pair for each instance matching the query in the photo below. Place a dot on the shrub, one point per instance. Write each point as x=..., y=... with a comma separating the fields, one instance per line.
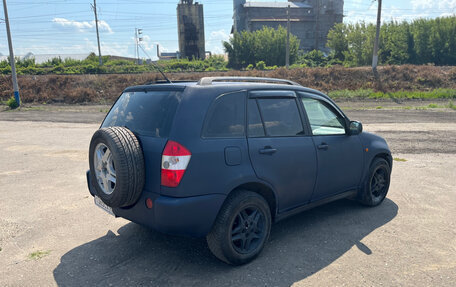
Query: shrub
x=261, y=65
x=11, y=102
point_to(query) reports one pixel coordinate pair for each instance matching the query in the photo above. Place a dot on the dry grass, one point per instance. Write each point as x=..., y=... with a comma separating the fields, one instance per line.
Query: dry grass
x=105, y=88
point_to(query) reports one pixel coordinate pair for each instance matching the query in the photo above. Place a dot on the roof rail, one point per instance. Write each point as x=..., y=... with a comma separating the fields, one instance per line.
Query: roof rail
x=166, y=82
x=208, y=80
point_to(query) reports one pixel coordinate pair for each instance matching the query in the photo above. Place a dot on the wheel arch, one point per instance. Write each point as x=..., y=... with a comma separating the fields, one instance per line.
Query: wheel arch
x=384, y=155
x=262, y=189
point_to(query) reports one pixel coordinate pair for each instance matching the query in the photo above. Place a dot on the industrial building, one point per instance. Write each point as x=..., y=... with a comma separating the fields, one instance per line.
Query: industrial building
x=310, y=20
x=190, y=23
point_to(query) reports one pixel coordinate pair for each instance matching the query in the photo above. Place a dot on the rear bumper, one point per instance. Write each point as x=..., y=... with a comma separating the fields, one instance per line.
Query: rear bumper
x=187, y=216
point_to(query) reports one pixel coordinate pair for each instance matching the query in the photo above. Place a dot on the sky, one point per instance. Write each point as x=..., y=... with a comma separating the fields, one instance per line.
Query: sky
x=68, y=26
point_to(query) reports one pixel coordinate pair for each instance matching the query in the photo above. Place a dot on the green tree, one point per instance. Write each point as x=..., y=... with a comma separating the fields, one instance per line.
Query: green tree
x=267, y=45
x=421, y=36
x=419, y=42
x=337, y=41
x=395, y=49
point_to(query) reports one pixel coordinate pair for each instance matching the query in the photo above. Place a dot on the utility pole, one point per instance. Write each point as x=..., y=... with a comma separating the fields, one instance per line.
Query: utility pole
x=138, y=39
x=94, y=6
x=12, y=60
x=377, y=36
x=287, y=59
x=136, y=46
x=317, y=27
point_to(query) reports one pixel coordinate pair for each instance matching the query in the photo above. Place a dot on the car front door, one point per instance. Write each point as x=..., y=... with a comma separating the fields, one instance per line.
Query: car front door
x=340, y=156
x=280, y=146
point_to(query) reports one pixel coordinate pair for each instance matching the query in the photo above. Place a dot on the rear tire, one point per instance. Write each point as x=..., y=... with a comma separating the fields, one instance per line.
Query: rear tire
x=241, y=229
x=116, y=166
x=376, y=185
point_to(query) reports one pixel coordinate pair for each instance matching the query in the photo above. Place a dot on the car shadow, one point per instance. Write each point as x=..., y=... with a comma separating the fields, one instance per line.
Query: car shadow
x=298, y=247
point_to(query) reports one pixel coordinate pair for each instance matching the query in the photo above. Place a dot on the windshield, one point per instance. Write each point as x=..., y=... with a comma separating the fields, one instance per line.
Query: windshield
x=146, y=113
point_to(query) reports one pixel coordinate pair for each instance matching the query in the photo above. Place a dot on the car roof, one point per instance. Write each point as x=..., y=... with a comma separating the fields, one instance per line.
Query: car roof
x=214, y=87
x=225, y=84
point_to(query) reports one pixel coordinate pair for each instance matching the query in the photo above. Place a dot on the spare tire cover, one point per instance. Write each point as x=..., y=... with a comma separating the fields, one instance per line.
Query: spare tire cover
x=116, y=166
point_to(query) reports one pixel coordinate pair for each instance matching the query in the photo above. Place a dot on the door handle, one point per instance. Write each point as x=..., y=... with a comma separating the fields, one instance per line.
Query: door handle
x=268, y=150
x=323, y=146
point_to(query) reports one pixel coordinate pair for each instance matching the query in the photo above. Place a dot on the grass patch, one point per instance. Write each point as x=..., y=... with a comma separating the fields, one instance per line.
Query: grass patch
x=399, y=159
x=26, y=109
x=38, y=254
x=451, y=105
x=400, y=95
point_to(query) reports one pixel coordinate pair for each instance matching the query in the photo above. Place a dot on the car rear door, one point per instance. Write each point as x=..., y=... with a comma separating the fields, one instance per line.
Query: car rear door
x=280, y=146
x=340, y=156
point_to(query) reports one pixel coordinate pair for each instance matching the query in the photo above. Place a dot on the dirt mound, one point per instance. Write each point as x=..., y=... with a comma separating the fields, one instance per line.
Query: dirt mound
x=105, y=88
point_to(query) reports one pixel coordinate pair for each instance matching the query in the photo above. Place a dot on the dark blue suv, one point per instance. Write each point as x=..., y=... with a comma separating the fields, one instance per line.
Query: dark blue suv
x=225, y=157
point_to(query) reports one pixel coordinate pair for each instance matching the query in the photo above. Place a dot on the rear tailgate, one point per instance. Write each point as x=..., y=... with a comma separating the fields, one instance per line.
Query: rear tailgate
x=149, y=113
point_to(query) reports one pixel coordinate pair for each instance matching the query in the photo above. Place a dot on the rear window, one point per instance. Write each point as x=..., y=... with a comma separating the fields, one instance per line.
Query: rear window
x=146, y=113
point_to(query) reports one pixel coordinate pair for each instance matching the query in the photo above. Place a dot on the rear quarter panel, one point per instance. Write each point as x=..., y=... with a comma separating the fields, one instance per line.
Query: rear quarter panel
x=207, y=172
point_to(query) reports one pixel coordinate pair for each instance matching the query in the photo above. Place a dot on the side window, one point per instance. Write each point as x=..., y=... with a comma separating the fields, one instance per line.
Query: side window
x=226, y=117
x=255, y=124
x=322, y=119
x=281, y=117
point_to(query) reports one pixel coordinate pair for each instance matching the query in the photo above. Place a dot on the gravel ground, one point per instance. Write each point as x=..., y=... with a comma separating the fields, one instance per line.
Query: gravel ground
x=52, y=234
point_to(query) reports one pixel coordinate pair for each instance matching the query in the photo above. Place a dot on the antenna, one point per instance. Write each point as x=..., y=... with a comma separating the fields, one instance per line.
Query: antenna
x=156, y=66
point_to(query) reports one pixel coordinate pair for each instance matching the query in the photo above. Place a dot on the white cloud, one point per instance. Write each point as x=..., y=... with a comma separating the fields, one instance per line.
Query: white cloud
x=150, y=47
x=79, y=47
x=421, y=9
x=111, y=48
x=423, y=4
x=83, y=26
x=163, y=48
x=448, y=7
x=146, y=43
x=214, y=43
x=220, y=34
x=432, y=4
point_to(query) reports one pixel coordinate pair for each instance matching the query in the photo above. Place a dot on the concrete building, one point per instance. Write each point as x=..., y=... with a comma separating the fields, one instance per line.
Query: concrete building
x=190, y=23
x=310, y=20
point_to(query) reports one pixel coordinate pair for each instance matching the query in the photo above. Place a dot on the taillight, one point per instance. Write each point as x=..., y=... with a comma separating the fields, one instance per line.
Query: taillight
x=175, y=159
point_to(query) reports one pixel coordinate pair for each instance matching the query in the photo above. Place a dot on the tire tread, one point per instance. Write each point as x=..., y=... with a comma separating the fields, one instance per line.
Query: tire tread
x=130, y=167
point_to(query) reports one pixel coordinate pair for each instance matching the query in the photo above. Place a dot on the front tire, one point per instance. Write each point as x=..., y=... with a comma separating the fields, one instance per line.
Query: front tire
x=376, y=185
x=241, y=229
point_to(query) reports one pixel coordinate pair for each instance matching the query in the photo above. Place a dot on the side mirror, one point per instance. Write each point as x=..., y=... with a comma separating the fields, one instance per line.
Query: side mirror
x=355, y=128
